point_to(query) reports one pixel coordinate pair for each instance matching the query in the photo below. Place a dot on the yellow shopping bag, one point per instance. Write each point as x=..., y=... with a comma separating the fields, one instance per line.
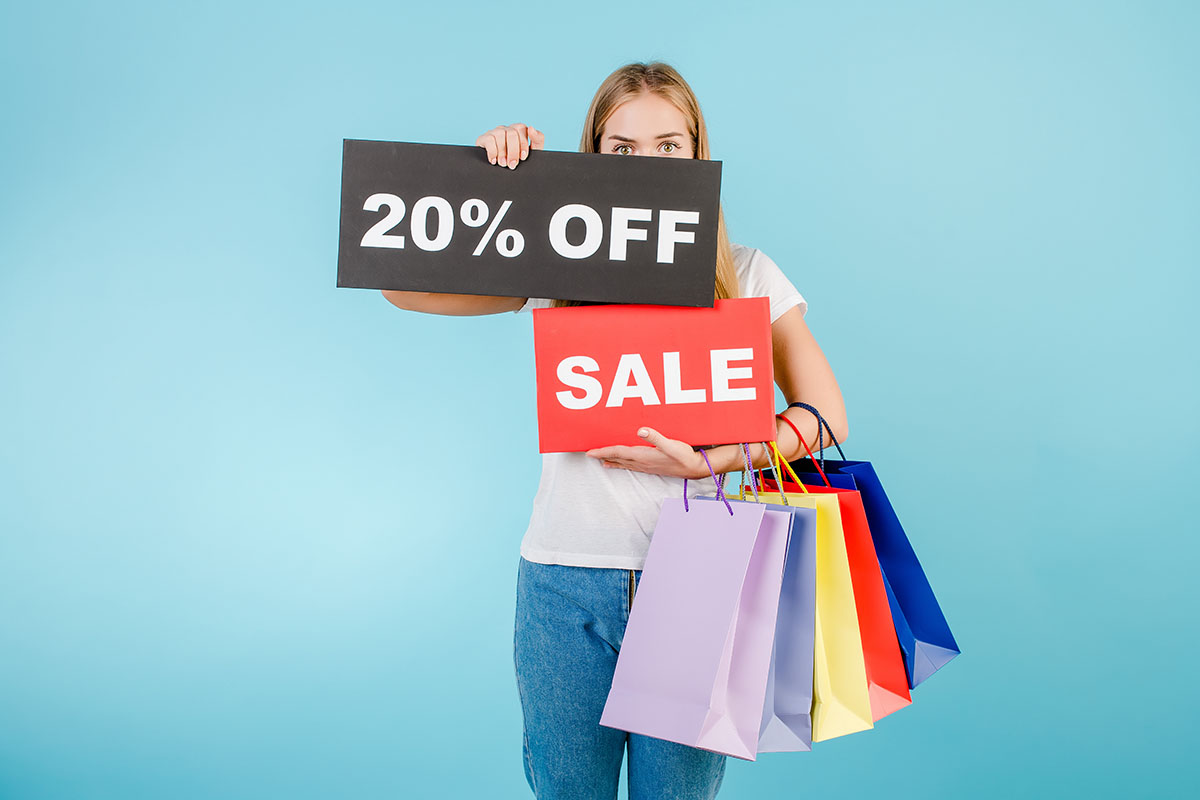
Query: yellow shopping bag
x=841, y=704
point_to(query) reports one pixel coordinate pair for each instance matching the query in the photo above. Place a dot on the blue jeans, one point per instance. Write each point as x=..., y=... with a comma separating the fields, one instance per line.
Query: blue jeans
x=569, y=626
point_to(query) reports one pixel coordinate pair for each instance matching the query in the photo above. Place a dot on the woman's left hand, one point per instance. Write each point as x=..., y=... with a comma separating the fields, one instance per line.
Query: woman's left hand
x=663, y=457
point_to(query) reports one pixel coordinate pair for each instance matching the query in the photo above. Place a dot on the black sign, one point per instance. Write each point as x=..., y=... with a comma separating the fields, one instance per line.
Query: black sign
x=571, y=226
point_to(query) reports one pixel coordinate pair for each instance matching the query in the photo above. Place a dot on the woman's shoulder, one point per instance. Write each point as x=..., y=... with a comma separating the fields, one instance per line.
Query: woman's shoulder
x=741, y=251
x=759, y=276
x=746, y=258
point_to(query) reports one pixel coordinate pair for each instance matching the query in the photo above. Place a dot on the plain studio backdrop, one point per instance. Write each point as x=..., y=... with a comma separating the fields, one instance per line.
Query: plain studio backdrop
x=259, y=535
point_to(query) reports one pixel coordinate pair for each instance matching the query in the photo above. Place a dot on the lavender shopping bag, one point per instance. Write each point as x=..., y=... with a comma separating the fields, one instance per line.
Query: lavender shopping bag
x=696, y=654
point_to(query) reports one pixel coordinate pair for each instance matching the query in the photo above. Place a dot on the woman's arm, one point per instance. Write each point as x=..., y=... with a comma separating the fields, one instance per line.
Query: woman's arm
x=803, y=375
x=458, y=305
x=507, y=146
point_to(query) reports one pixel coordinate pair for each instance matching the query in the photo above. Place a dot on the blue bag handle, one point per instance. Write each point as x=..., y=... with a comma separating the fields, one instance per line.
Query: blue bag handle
x=822, y=425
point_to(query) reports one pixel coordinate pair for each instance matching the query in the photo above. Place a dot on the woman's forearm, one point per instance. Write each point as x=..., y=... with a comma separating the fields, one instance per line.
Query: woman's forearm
x=731, y=457
x=806, y=423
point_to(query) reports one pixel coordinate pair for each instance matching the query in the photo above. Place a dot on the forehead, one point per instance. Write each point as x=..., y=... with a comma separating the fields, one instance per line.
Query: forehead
x=646, y=116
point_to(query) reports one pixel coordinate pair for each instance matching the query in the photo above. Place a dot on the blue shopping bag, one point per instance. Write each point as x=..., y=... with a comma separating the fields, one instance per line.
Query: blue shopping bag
x=787, y=712
x=921, y=628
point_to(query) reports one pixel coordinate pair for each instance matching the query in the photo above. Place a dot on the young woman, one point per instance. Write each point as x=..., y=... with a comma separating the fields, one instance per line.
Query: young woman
x=594, y=512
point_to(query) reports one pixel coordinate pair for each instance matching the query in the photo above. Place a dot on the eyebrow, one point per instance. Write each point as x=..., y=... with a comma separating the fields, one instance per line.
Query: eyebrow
x=660, y=136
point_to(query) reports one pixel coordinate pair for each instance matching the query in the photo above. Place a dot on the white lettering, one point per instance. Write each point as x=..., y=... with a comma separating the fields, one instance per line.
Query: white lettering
x=675, y=393
x=722, y=374
x=631, y=366
x=622, y=234
x=569, y=377
x=420, y=221
x=668, y=237
x=591, y=239
x=631, y=380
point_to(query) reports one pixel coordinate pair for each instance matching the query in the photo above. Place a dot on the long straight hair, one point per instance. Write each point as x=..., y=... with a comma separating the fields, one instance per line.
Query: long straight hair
x=661, y=79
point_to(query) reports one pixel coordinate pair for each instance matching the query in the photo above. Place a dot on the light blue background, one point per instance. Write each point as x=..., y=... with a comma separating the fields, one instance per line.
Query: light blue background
x=234, y=562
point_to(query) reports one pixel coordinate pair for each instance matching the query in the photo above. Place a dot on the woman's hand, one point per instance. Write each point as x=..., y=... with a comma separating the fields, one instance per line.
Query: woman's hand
x=663, y=457
x=508, y=145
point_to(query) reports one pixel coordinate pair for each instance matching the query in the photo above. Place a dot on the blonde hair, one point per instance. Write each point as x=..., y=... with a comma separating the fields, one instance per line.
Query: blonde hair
x=661, y=79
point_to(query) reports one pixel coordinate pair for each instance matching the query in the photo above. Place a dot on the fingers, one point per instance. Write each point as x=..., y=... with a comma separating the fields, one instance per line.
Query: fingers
x=488, y=143
x=622, y=457
x=514, y=147
x=673, y=448
x=522, y=138
x=663, y=456
x=500, y=138
x=616, y=452
x=508, y=145
x=622, y=452
x=620, y=463
x=531, y=139
x=652, y=437
x=537, y=139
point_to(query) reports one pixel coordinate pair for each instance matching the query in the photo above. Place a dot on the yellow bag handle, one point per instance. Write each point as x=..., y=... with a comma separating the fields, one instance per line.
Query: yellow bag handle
x=776, y=462
x=779, y=459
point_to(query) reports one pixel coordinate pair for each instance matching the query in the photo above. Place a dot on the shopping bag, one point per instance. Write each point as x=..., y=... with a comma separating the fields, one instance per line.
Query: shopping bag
x=921, y=628
x=696, y=653
x=887, y=680
x=841, y=703
x=787, y=709
x=925, y=638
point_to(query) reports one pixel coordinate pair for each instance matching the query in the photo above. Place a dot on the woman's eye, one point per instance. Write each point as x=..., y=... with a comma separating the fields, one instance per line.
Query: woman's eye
x=622, y=149
x=670, y=147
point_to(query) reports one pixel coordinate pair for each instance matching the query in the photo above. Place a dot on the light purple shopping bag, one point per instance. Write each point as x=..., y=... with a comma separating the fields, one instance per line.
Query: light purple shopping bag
x=787, y=710
x=697, y=648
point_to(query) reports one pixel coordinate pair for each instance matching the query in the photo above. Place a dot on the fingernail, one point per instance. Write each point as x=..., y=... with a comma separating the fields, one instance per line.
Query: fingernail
x=524, y=155
x=642, y=432
x=512, y=164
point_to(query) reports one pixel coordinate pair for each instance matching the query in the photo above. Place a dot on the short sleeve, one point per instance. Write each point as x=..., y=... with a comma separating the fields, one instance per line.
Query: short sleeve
x=759, y=276
x=534, y=302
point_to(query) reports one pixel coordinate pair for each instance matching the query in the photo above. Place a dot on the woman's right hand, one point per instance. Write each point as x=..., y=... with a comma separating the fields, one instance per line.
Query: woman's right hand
x=508, y=145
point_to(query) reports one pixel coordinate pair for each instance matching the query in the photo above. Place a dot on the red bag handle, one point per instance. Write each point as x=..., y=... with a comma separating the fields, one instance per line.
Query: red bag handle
x=806, y=449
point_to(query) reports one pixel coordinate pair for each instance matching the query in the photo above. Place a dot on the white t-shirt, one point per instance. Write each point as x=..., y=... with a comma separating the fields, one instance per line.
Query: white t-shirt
x=587, y=516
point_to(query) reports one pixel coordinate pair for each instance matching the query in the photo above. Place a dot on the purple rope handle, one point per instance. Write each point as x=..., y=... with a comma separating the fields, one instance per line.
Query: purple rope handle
x=720, y=482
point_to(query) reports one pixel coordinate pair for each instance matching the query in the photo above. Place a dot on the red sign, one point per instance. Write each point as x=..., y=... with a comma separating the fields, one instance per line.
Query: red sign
x=701, y=375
